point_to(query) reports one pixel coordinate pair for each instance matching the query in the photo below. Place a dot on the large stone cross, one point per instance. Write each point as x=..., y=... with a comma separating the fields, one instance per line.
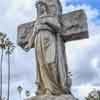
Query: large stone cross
x=74, y=27
x=47, y=35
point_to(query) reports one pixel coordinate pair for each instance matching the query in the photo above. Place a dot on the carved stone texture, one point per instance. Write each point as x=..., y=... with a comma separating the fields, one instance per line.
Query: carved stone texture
x=24, y=33
x=63, y=97
x=74, y=27
x=47, y=35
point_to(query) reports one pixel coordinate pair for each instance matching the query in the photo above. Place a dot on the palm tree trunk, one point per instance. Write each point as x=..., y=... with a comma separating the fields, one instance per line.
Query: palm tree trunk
x=8, y=75
x=1, y=74
x=20, y=97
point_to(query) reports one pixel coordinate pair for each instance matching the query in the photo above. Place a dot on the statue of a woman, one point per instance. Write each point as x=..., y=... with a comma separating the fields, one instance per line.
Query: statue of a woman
x=52, y=69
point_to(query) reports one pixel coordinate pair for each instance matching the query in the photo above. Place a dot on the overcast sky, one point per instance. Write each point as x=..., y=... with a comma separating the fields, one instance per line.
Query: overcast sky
x=83, y=57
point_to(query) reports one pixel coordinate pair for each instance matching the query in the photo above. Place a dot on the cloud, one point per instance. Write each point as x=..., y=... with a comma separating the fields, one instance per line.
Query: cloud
x=16, y=12
x=84, y=50
x=22, y=64
x=79, y=57
x=95, y=62
x=20, y=7
x=83, y=90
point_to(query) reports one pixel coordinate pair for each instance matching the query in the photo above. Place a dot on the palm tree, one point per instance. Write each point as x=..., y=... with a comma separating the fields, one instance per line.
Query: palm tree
x=5, y=44
x=19, y=89
x=93, y=95
x=27, y=93
x=9, y=50
x=2, y=46
x=4, y=98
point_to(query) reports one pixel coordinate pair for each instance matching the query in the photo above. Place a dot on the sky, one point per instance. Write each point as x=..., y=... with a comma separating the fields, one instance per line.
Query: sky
x=83, y=56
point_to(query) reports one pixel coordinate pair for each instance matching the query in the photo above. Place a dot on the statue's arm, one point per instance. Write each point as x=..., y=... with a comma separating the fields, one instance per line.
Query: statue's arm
x=31, y=40
x=52, y=21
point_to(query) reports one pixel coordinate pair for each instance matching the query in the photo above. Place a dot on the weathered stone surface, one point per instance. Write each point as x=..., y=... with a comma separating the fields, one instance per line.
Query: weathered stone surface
x=74, y=27
x=63, y=97
x=47, y=35
x=24, y=32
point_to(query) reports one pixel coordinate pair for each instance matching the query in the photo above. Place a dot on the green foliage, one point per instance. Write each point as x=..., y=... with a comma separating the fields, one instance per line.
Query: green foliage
x=19, y=89
x=27, y=93
x=10, y=46
x=93, y=95
x=2, y=40
x=6, y=44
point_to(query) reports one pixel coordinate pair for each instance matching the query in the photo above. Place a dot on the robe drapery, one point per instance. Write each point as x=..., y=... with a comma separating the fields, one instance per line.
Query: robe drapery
x=51, y=61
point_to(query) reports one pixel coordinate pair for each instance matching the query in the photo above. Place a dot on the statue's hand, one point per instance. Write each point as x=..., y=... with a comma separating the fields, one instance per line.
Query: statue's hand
x=41, y=20
x=28, y=46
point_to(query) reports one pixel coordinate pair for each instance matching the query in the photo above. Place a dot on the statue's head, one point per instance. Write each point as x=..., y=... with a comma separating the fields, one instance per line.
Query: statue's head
x=52, y=7
x=41, y=8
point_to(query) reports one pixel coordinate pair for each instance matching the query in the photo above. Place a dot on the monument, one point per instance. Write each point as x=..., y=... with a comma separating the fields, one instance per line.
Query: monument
x=47, y=34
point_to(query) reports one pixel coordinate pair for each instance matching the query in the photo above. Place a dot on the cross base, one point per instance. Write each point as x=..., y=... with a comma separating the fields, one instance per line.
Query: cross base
x=62, y=97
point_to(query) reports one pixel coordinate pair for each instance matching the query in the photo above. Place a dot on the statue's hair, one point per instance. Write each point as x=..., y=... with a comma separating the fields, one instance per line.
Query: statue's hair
x=59, y=6
x=40, y=2
x=50, y=3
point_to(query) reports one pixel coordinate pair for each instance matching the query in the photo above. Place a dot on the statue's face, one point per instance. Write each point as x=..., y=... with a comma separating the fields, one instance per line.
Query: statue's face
x=41, y=9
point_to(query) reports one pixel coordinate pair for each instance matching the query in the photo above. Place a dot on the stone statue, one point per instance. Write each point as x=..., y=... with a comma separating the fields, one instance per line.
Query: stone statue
x=47, y=34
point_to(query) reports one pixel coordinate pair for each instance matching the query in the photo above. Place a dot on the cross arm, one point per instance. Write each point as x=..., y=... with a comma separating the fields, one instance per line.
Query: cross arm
x=24, y=32
x=74, y=26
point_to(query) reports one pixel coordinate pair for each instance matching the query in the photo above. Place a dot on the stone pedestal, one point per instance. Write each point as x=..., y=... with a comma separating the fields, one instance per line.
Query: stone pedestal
x=62, y=97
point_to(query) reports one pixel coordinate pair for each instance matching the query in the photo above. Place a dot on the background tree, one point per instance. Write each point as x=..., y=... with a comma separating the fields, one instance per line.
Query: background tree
x=19, y=89
x=4, y=98
x=9, y=50
x=5, y=44
x=27, y=93
x=2, y=47
x=93, y=95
